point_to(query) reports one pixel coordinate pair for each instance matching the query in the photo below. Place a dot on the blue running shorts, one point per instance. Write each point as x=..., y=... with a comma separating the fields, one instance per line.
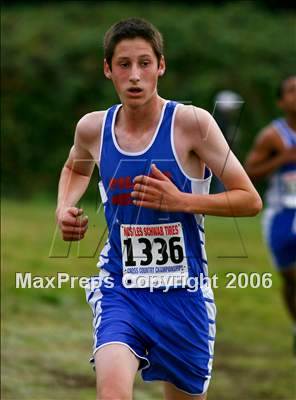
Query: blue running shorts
x=172, y=333
x=280, y=233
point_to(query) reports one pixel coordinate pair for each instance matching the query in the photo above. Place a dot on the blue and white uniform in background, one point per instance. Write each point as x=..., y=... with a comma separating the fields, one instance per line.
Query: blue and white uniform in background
x=279, y=221
x=172, y=332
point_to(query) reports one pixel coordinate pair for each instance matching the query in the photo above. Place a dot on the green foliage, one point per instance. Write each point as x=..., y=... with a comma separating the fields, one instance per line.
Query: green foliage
x=52, y=69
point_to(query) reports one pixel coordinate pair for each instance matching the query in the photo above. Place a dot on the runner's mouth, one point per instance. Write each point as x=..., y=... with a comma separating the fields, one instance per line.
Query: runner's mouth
x=135, y=90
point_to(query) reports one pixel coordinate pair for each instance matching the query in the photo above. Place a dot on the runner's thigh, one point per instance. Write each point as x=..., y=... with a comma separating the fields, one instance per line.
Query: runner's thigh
x=116, y=368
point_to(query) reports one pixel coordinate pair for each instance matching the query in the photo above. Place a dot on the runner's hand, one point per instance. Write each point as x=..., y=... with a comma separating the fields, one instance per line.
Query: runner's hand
x=157, y=192
x=71, y=223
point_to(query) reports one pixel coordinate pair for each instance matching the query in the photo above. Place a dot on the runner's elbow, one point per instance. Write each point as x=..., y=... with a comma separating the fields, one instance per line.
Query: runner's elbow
x=255, y=205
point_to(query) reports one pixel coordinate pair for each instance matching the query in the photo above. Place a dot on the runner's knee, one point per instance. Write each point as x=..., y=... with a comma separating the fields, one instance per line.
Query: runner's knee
x=109, y=389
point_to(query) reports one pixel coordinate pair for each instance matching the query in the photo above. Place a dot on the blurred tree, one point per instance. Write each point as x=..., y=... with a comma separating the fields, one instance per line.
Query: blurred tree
x=268, y=4
x=52, y=72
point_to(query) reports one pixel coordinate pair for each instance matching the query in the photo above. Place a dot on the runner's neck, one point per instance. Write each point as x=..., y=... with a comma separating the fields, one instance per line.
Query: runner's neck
x=145, y=118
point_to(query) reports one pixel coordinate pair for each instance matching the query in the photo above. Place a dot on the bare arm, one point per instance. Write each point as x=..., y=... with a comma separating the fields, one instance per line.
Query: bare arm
x=208, y=142
x=240, y=197
x=74, y=179
x=267, y=155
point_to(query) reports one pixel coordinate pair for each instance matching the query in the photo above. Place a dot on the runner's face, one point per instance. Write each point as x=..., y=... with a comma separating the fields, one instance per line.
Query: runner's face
x=288, y=101
x=135, y=71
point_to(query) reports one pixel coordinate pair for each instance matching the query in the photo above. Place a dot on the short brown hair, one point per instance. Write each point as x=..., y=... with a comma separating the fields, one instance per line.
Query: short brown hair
x=132, y=28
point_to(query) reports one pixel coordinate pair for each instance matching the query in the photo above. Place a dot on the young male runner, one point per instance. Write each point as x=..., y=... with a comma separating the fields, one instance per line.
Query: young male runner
x=274, y=156
x=155, y=159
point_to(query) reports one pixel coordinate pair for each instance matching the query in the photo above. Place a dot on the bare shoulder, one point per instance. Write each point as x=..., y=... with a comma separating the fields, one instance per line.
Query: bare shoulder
x=195, y=125
x=192, y=118
x=268, y=137
x=88, y=129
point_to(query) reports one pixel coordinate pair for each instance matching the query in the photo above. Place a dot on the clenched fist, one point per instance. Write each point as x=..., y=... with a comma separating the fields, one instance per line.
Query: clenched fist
x=71, y=223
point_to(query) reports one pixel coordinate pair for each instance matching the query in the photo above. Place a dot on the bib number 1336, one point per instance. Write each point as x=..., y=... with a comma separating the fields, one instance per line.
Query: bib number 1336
x=167, y=249
x=152, y=250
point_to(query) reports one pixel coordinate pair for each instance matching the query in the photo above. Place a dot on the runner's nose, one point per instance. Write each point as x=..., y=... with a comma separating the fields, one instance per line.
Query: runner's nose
x=135, y=76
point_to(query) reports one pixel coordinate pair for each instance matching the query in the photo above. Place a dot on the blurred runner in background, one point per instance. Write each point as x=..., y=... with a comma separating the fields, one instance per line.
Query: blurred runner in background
x=274, y=156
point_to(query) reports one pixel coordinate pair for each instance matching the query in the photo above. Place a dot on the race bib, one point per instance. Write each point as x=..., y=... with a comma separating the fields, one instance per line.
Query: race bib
x=153, y=255
x=289, y=189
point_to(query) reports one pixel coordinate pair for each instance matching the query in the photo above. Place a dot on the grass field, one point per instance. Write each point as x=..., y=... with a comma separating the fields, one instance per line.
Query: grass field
x=46, y=333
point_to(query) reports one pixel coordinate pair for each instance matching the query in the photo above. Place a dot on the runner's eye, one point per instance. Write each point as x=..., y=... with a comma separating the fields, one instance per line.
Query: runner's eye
x=124, y=65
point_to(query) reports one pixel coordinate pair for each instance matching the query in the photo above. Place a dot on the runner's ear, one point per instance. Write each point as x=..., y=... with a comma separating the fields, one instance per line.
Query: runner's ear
x=107, y=70
x=161, y=68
